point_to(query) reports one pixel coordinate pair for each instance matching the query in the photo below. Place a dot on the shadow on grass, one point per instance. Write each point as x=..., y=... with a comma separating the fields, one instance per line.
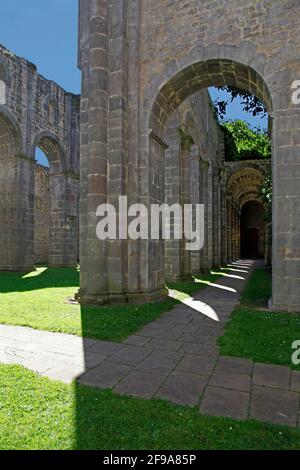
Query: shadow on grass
x=41, y=278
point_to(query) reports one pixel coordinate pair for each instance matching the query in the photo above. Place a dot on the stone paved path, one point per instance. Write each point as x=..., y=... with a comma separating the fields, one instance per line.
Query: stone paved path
x=175, y=358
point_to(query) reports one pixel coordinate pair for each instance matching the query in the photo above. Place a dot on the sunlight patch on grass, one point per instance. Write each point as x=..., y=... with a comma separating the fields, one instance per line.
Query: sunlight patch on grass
x=36, y=272
x=40, y=300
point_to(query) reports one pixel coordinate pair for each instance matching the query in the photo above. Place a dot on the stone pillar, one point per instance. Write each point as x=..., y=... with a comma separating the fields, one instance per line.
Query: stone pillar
x=209, y=218
x=195, y=198
x=16, y=202
x=185, y=194
x=234, y=257
x=286, y=208
x=23, y=194
x=204, y=200
x=224, y=233
x=94, y=169
x=238, y=234
x=63, y=221
x=172, y=196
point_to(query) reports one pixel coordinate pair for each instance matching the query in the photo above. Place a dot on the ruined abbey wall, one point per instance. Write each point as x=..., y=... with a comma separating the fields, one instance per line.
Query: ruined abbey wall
x=35, y=112
x=140, y=60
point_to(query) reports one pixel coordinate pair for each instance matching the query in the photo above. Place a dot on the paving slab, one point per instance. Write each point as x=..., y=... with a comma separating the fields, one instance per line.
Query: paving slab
x=137, y=340
x=295, y=382
x=161, y=362
x=105, y=347
x=195, y=364
x=106, y=375
x=226, y=403
x=230, y=380
x=130, y=355
x=139, y=384
x=200, y=349
x=274, y=406
x=65, y=372
x=235, y=364
x=164, y=344
x=272, y=376
x=183, y=388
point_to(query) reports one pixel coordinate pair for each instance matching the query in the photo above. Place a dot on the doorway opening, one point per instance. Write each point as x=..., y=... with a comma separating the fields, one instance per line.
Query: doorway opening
x=253, y=230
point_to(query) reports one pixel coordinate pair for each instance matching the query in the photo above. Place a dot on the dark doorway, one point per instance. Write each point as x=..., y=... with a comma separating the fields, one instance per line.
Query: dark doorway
x=251, y=243
x=253, y=230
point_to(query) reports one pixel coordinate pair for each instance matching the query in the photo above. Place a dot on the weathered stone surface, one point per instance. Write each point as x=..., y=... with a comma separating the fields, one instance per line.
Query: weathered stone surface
x=274, y=406
x=295, y=384
x=161, y=362
x=106, y=375
x=183, y=388
x=272, y=376
x=230, y=380
x=39, y=206
x=141, y=384
x=161, y=88
x=195, y=364
x=233, y=364
x=224, y=402
x=131, y=355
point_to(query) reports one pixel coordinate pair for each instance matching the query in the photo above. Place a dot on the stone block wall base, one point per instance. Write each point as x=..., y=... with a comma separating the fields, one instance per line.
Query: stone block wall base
x=17, y=269
x=69, y=266
x=177, y=278
x=124, y=298
x=283, y=308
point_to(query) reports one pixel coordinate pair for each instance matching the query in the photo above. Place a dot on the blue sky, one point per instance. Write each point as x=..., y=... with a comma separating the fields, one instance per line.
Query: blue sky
x=234, y=110
x=45, y=32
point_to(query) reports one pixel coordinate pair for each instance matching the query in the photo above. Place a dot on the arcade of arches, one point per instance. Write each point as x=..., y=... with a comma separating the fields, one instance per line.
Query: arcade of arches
x=147, y=130
x=38, y=205
x=140, y=62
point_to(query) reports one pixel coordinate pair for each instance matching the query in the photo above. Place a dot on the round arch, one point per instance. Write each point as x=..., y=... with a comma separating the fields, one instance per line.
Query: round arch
x=244, y=185
x=53, y=149
x=10, y=124
x=204, y=74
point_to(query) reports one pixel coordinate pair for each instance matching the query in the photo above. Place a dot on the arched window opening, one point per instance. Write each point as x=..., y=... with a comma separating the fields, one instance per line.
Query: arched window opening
x=41, y=207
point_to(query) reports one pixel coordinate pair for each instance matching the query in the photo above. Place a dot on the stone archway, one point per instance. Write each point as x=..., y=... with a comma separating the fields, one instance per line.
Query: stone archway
x=244, y=182
x=61, y=207
x=184, y=83
x=149, y=63
x=15, y=216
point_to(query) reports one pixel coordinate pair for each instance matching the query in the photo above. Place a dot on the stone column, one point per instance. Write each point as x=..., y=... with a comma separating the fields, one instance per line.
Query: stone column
x=16, y=203
x=204, y=200
x=195, y=198
x=286, y=207
x=185, y=199
x=172, y=196
x=23, y=195
x=209, y=218
x=94, y=125
x=229, y=231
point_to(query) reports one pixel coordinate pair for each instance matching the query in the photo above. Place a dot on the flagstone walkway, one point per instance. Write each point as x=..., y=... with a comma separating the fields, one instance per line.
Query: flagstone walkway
x=175, y=358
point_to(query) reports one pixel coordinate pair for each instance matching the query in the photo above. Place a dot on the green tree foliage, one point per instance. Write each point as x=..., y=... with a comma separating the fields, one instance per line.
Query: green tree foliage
x=244, y=143
x=266, y=195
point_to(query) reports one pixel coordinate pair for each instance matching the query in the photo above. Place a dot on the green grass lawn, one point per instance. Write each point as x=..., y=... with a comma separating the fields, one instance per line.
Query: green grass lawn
x=256, y=333
x=37, y=413
x=39, y=300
